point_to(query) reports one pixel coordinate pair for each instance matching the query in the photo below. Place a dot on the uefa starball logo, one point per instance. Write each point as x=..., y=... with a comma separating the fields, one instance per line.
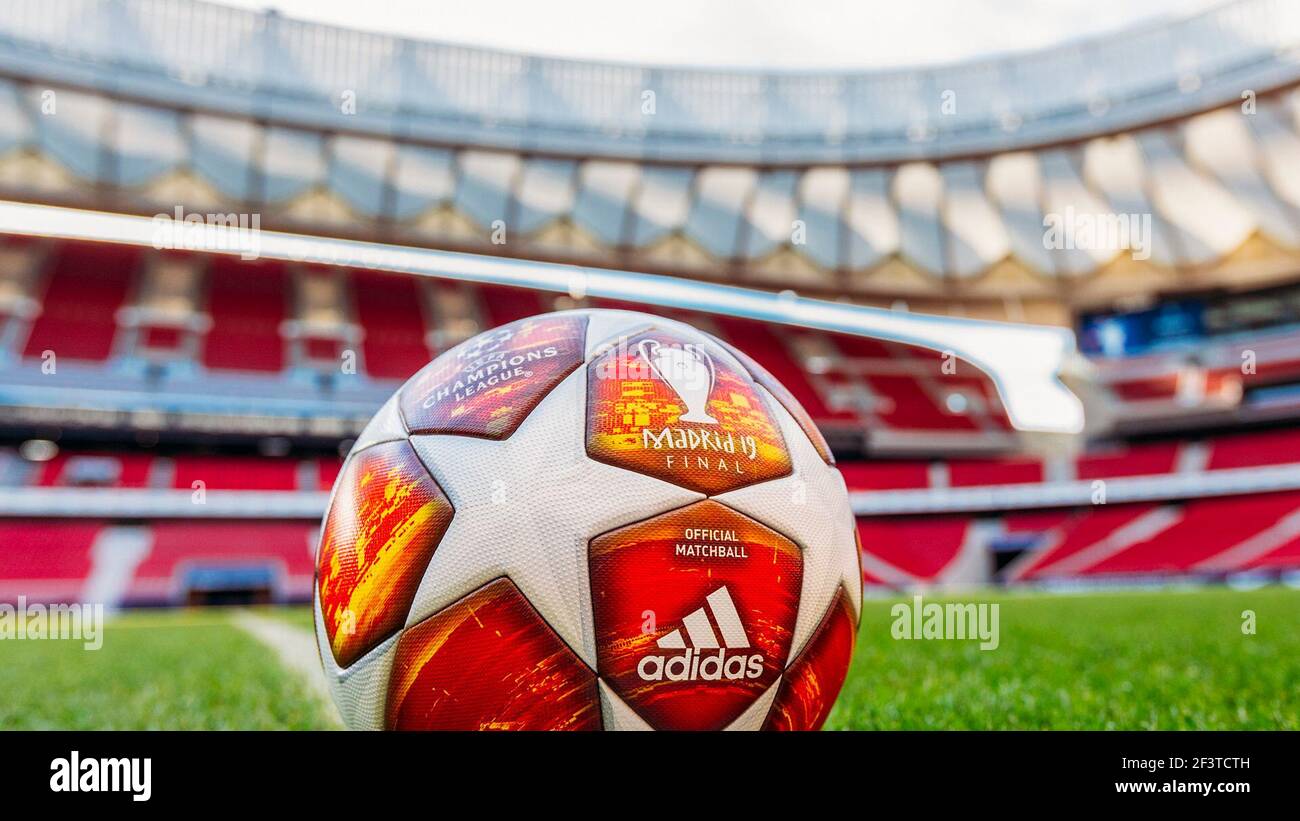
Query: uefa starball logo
x=487, y=362
x=478, y=350
x=705, y=658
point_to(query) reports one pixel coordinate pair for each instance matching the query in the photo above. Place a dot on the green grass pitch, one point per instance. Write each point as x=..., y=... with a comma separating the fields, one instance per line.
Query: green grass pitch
x=1124, y=660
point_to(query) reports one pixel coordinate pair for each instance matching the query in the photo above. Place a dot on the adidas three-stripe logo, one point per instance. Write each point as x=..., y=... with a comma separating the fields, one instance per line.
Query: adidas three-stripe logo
x=701, y=632
x=698, y=661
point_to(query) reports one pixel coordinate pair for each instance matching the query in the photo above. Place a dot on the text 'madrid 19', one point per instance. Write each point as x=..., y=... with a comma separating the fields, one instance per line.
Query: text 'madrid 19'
x=588, y=520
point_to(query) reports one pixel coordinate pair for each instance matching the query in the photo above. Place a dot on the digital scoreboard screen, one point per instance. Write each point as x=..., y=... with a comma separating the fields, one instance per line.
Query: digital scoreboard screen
x=1116, y=334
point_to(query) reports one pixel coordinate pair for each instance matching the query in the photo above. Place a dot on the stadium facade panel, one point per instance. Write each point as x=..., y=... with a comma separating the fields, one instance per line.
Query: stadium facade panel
x=194, y=54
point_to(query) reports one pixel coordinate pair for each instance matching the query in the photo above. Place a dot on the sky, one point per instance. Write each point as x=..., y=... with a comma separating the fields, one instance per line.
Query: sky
x=754, y=34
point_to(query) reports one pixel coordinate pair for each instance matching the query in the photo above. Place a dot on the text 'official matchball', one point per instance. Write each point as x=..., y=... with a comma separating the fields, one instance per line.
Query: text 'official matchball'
x=588, y=520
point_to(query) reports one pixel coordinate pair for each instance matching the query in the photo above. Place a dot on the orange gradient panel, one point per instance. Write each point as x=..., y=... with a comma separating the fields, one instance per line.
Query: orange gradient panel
x=678, y=410
x=782, y=394
x=811, y=684
x=487, y=385
x=489, y=662
x=387, y=517
x=694, y=612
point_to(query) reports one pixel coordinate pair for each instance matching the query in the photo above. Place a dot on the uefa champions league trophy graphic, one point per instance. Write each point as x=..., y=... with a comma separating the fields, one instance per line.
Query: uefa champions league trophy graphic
x=688, y=370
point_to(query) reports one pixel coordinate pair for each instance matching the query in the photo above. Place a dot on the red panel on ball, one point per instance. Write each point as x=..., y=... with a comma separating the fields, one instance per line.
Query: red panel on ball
x=674, y=408
x=694, y=613
x=487, y=385
x=489, y=662
x=384, y=523
x=811, y=684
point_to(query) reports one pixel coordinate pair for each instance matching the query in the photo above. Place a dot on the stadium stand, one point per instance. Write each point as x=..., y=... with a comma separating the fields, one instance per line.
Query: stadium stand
x=388, y=309
x=177, y=367
x=1132, y=460
x=1255, y=449
x=163, y=563
x=195, y=564
x=46, y=560
x=1203, y=536
x=858, y=390
x=911, y=550
x=250, y=329
x=246, y=304
x=123, y=470
x=881, y=475
x=85, y=289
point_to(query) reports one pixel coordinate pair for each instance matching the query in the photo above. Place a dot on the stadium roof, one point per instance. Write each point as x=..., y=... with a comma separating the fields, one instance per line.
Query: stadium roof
x=143, y=107
x=200, y=55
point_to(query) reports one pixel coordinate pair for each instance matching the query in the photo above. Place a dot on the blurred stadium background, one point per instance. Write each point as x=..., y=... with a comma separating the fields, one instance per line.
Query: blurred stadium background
x=183, y=372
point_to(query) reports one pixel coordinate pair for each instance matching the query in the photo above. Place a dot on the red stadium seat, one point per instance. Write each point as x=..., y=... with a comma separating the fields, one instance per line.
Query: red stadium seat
x=236, y=473
x=763, y=345
x=1255, y=450
x=1083, y=530
x=504, y=304
x=862, y=347
x=284, y=548
x=46, y=560
x=388, y=308
x=1136, y=460
x=247, y=302
x=327, y=470
x=976, y=472
x=1036, y=521
x=87, y=286
x=1207, y=527
x=920, y=547
x=885, y=475
x=1285, y=557
x=133, y=469
x=913, y=408
x=1156, y=387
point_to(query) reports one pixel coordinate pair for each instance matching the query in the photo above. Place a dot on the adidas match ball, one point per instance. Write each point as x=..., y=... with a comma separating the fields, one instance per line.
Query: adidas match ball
x=588, y=520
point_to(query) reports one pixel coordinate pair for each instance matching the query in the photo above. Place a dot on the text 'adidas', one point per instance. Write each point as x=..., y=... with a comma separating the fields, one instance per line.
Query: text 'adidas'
x=698, y=662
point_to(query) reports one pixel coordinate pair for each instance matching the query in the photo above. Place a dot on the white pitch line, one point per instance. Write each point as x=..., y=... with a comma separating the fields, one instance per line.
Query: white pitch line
x=296, y=650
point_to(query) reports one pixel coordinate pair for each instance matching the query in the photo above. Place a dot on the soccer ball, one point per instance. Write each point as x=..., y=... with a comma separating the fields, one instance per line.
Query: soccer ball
x=585, y=520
